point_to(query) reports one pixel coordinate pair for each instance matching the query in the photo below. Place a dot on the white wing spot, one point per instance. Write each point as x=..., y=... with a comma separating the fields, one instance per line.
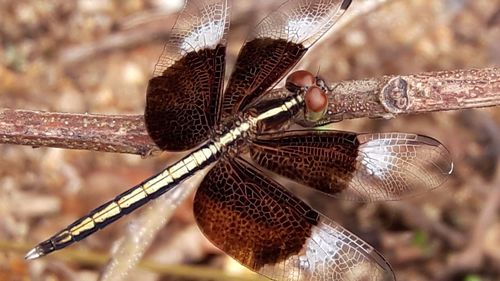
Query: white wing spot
x=376, y=157
x=207, y=35
x=300, y=29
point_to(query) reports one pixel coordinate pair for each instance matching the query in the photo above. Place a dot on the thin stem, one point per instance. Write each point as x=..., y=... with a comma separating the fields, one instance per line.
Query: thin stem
x=109, y=133
x=384, y=97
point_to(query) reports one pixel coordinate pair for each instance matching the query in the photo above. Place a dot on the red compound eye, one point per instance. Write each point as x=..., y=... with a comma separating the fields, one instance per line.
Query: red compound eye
x=316, y=100
x=300, y=79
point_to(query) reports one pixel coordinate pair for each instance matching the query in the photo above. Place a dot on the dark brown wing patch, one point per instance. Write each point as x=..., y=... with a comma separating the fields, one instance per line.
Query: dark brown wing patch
x=181, y=104
x=364, y=167
x=261, y=62
x=251, y=217
x=326, y=162
x=183, y=99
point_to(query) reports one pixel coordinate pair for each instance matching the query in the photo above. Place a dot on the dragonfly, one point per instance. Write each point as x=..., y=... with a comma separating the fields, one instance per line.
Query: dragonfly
x=247, y=132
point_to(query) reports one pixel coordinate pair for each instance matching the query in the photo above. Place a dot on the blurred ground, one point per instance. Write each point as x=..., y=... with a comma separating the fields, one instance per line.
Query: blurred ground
x=97, y=56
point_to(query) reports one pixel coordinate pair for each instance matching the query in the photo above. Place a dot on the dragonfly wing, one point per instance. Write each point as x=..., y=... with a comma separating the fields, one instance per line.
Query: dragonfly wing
x=275, y=46
x=183, y=96
x=266, y=228
x=361, y=167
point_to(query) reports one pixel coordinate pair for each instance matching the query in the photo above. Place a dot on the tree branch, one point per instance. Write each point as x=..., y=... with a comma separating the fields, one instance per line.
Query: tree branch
x=383, y=97
x=389, y=96
x=109, y=133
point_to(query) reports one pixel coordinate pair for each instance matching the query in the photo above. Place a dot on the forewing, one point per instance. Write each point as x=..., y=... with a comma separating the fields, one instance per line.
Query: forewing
x=276, y=45
x=361, y=167
x=266, y=228
x=184, y=96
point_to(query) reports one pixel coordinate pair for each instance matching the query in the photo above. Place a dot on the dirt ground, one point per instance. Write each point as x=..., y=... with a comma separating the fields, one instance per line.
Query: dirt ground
x=97, y=56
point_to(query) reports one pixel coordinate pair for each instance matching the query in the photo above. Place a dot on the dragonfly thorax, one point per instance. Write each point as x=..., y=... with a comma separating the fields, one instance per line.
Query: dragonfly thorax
x=232, y=136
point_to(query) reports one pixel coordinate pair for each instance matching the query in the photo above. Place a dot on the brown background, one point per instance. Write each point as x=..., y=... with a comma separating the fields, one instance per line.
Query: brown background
x=97, y=56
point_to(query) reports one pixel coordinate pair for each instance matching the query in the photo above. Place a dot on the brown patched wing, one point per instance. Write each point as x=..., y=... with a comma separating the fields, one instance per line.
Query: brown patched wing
x=183, y=98
x=256, y=221
x=362, y=167
x=276, y=45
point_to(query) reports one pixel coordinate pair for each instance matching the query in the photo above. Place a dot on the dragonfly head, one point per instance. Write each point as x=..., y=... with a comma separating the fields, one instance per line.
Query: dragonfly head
x=314, y=92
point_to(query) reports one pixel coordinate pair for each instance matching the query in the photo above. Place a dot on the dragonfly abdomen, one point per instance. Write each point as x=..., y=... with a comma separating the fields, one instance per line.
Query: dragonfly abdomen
x=129, y=200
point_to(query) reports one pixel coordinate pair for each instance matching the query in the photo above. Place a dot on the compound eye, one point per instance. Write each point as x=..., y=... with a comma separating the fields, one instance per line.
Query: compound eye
x=300, y=79
x=316, y=104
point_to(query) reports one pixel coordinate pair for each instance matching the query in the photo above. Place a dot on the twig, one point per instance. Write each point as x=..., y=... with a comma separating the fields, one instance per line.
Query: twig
x=408, y=94
x=109, y=133
x=384, y=97
x=120, y=40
